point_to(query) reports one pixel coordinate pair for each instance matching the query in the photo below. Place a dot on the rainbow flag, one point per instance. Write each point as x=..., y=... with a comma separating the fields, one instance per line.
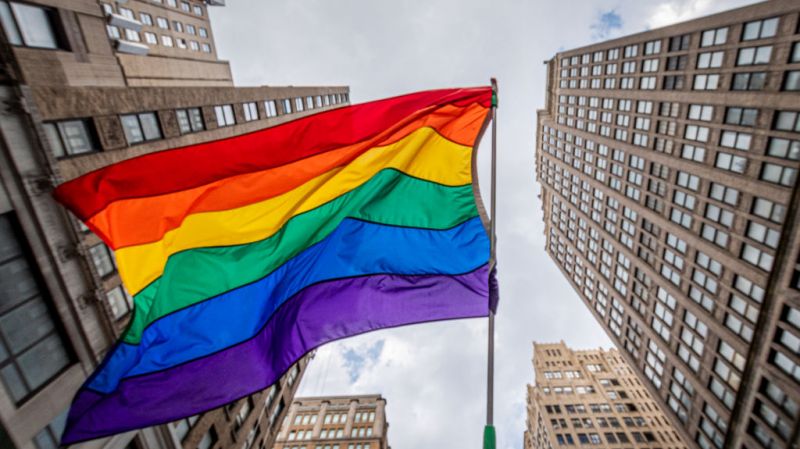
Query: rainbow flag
x=246, y=253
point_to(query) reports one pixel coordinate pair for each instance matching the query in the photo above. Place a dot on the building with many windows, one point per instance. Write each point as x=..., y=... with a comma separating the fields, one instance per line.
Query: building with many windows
x=85, y=84
x=591, y=398
x=668, y=164
x=335, y=422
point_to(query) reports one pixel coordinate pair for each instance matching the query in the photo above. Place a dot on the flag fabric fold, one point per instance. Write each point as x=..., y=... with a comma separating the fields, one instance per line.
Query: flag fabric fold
x=244, y=254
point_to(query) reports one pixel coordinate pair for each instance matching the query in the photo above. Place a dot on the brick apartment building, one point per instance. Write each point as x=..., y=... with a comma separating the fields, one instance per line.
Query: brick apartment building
x=668, y=162
x=84, y=84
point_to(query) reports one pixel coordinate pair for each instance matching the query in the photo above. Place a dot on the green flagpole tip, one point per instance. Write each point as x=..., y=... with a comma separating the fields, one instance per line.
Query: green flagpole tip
x=489, y=438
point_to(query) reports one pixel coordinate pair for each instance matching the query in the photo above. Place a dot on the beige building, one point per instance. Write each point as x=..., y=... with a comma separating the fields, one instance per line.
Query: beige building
x=592, y=398
x=84, y=84
x=335, y=422
x=668, y=164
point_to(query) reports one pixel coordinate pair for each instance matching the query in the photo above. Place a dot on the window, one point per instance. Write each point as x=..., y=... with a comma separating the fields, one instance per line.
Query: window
x=756, y=256
x=760, y=29
x=691, y=182
x=298, y=104
x=120, y=302
x=202, y=32
x=194, y=46
x=763, y=234
x=735, y=139
x=166, y=41
x=631, y=51
x=647, y=83
x=730, y=162
x=784, y=148
x=271, y=108
x=197, y=10
x=710, y=38
x=132, y=35
x=710, y=60
x=70, y=137
x=674, y=82
x=724, y=194
x=701, y=112
x=287, y=105
x=650, y=65
x=190, y=120
x=206, y=48
x=146, y=19
x=150, y=38
x=652, y=47
x=749, y=81
x=191, y=29
x=101, y=259
x=698, y=133
x=224, y=115
x=140, y=127
x=185, y=6
x=741, y=116
x=677, y=62
x=34, y=352
x=767, y=209
x=112, y=31
x=29, y=25
x=787, y=121
x=250, y=111
x=679, y=43
x=706, y=82
x=754, y=55
x=162, y=23
x=693, y=153
x=719, y=215
x=778, y=174
x=51, y=434
x=792, y=81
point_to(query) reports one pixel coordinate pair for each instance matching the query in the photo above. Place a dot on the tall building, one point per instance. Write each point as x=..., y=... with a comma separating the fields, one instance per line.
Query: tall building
x=84, y=84
x=335, y=422
x=668, y=162
x=592, y=398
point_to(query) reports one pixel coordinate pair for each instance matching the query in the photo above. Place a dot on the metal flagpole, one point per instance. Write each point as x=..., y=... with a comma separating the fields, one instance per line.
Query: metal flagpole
x=489, y=434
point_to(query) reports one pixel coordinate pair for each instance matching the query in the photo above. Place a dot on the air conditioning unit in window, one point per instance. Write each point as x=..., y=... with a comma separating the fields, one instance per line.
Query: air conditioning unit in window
x=124, y=22
x=133, y=48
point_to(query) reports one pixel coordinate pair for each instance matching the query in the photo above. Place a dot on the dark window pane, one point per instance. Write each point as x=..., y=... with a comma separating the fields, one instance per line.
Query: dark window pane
x=43, y=361
x=24, y=325
x=13, y=382
x=17, y=283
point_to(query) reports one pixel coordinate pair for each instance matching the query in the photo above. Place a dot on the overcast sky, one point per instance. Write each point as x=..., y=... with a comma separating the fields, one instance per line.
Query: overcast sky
x=434, y=375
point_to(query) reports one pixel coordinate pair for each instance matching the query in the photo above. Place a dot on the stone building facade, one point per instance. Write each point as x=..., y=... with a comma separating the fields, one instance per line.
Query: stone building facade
x=668, y=162
x=591, y=398
x=84, y=84
x=335, y=422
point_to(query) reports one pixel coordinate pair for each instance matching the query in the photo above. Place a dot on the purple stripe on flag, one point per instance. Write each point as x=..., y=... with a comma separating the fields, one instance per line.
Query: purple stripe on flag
x=318, y=314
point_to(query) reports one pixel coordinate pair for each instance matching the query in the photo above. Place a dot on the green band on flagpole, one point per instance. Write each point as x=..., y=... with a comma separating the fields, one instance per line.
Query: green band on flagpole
x=489, y=438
